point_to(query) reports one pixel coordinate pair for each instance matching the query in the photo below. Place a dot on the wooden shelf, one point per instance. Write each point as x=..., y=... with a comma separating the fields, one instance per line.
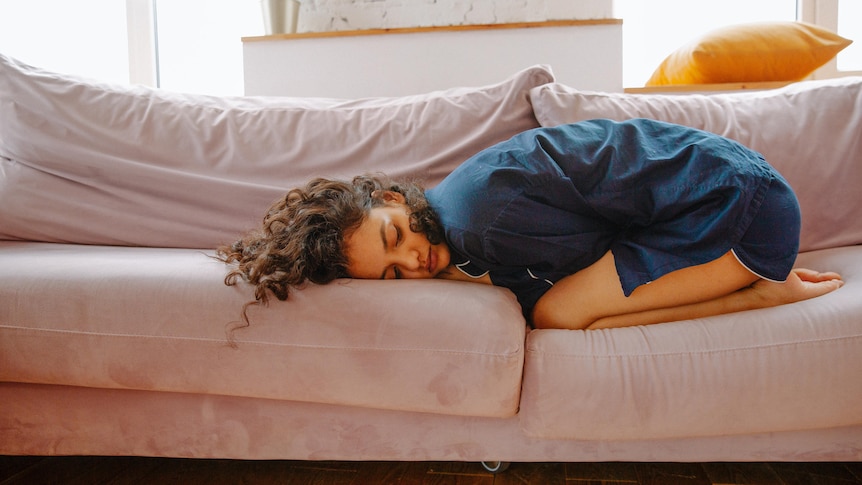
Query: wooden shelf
x=695, y=88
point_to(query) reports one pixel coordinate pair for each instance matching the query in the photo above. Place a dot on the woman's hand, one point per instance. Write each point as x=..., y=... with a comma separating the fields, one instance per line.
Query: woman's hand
x=453, y=273
x=801, y=284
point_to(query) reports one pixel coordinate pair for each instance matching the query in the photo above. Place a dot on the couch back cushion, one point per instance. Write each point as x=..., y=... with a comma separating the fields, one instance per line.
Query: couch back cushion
x=809, y=131
x=94, y=163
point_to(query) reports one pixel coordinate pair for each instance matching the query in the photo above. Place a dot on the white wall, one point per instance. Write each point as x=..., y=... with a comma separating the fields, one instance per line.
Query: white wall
x=584, y=54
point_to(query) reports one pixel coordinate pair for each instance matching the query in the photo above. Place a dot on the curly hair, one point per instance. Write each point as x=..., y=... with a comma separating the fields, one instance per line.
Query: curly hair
x=303, y=234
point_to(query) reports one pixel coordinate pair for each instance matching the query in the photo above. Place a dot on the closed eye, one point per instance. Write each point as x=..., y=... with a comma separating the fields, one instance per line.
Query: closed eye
x=399, y=238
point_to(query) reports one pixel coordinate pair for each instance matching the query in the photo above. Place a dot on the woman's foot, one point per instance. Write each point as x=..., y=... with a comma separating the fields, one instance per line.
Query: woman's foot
x=801, y=284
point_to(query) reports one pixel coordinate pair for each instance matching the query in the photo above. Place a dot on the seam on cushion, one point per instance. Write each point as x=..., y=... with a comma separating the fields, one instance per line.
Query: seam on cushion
x=106, y=334
x=693, y=352
x=382, y=349
x=510, y=354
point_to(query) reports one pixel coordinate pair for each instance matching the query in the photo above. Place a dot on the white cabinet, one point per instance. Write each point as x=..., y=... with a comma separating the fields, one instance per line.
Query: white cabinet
x=586, y=54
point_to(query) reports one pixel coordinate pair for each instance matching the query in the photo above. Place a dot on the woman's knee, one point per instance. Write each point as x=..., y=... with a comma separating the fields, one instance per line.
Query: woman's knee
x=549, y=314
x=578, y=300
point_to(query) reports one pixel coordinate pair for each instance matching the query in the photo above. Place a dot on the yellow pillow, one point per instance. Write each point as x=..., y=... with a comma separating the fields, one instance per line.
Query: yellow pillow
x=763, y=51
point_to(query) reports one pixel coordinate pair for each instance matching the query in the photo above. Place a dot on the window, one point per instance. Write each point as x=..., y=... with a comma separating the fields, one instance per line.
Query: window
x=841, y=16
x=849, y=26
x=199, y=43
x=86, y=37
x=199, y=46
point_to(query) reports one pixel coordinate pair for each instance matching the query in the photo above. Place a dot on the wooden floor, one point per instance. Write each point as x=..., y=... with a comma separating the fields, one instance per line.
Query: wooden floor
x=123, y=470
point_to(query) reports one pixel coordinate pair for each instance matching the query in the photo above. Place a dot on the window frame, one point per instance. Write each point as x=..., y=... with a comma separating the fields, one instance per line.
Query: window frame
x=825, y=14
x=143, y=51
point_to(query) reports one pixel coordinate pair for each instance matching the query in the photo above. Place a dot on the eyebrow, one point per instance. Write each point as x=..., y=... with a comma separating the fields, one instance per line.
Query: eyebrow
x=385, y=246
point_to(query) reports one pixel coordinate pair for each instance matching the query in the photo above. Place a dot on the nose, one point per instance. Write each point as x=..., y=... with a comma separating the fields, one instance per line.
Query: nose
x=410, y=262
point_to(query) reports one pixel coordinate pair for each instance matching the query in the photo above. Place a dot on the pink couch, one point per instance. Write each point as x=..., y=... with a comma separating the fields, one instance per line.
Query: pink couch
x=114, y=320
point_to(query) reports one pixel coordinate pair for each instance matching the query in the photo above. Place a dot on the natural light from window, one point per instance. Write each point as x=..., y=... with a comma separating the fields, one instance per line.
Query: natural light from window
x=199, y=40
x=83, y=37
x=200, y=48
x=850, y=26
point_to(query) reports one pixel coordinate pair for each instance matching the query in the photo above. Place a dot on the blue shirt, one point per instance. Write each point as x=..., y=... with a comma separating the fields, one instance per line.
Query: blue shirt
x=552, y=201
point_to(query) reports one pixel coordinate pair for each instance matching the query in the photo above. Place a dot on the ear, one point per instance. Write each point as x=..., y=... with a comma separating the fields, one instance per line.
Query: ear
x=389, y=196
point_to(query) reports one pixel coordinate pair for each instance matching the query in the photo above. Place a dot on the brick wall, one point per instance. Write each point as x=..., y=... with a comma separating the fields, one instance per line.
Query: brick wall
x=330, y=15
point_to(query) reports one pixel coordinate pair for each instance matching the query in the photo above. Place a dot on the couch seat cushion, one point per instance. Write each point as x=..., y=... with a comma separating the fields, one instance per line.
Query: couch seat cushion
x=156, y=319
x=788, y=368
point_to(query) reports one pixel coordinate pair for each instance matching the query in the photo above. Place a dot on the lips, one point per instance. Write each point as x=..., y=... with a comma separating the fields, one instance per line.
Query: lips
x=431, y=260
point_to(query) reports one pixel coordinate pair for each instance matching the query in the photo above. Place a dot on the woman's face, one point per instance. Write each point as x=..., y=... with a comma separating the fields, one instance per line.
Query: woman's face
x=384, y=247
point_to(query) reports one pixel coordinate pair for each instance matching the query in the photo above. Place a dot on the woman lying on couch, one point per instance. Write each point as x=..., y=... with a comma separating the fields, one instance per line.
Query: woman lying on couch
x=592, y=225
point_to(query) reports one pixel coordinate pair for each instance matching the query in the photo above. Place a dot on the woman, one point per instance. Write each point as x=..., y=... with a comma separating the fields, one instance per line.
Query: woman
x=592, y=225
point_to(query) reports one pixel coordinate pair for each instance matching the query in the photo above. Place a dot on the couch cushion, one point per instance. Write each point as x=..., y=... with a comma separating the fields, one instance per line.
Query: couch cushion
x=87, y=162
x=793, y=367
x=808, y=131
x=155, y=319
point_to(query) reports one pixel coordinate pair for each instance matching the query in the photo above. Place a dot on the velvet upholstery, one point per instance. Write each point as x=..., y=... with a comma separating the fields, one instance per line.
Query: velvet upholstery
x=159, y=319
x=63, y=420
x=779, y=369
x=124, y=347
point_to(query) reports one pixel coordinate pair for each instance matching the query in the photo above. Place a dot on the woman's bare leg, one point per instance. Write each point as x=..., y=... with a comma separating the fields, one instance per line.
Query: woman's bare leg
x=593, y=297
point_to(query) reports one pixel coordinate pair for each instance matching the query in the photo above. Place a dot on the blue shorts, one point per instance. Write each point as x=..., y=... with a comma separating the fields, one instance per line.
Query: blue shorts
x=769, y=246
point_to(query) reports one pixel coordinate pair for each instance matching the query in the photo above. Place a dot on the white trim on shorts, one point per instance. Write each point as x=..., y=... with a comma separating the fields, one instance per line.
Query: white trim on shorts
x=752, y=271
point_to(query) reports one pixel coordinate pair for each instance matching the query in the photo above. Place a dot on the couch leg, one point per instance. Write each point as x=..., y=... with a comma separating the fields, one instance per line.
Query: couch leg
x=496, y=466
